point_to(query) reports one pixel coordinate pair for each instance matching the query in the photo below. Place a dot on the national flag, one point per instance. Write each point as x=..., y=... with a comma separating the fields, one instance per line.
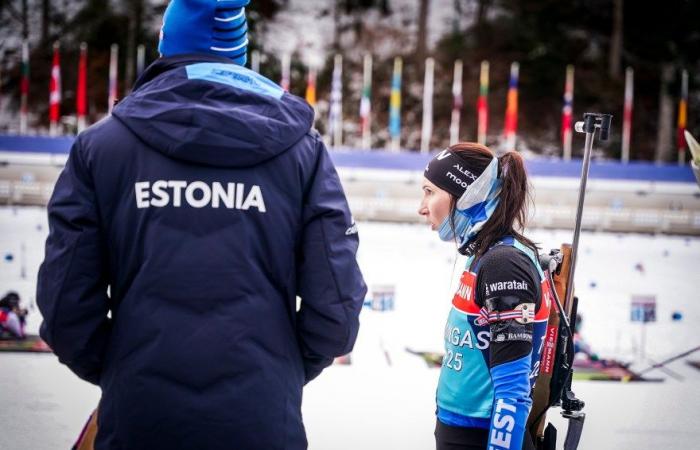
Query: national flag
x=24, y=89
x=311, y=87
x=482, y=106
x=395, y=106
x=511, y=120
x=682, y=117
x=55, y=91
x=567, y=112
x=366, y=102
x=627, y=114
x=81, y=91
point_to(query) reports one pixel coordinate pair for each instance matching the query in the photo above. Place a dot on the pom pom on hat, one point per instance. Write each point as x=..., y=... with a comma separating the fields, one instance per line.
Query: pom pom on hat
x=205, y=26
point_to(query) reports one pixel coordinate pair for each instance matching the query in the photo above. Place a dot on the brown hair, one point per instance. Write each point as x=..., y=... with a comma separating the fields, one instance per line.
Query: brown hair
x=510, y=216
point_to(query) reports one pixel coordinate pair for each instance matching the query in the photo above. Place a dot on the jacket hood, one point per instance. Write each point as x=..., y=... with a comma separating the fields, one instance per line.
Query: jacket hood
x=205, y=109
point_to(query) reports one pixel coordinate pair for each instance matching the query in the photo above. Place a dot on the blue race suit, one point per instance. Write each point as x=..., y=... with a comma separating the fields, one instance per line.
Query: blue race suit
x=493, y=342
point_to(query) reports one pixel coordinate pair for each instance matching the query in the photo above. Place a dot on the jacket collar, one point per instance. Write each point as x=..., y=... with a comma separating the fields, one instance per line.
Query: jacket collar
x=163, y=64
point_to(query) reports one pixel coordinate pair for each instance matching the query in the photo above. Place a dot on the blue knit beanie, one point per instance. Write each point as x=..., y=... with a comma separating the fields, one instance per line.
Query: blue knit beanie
x=205, y=26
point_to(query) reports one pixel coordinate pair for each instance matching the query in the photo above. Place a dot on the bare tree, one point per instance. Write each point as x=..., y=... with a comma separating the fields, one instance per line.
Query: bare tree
x=336, y=25
x=422, y=37
x=664, y=137
x=45, y=19
x=135, y=13
x=25, y=25
x=480, y=20
x=482, y=11
x=457, y=6
x=615, y=55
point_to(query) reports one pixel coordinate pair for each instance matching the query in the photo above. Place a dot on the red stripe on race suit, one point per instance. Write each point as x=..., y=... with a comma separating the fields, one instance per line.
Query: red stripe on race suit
x=463, y=299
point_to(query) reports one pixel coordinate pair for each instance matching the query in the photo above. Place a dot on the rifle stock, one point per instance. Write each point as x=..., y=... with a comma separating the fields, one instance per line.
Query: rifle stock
x=86, y=441
x=542, y=393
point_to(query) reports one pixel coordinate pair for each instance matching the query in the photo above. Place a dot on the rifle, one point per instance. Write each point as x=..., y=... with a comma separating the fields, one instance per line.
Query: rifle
x=553, y=385
x=86, y=440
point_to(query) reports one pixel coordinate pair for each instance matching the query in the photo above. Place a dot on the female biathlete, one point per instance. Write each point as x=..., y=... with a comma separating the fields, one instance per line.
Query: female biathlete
x=495, y=329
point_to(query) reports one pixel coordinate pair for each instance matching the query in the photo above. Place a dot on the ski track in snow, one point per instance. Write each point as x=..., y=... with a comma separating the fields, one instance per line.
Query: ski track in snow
x=373, y=405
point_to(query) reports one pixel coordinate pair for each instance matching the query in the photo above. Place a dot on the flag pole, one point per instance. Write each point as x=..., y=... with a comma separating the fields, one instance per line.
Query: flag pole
x=113, y=74
x=335, y=119
x=427, y=127
x=456, y=102
x=286, y=69
x=255, y=61
x=140, y=60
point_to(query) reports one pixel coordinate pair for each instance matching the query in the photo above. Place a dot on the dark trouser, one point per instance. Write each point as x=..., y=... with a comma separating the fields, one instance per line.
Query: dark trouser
x=448, y=437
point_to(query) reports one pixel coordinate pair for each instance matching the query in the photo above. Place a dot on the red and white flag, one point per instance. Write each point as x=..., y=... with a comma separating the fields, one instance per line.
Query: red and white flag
x=627, y=114
x=81, y=91
x=366, y=103
x=55, y=91
x=682, y=117
x=24, y=89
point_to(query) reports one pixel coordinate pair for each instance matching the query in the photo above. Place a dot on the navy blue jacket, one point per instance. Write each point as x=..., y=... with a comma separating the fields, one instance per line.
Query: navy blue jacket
x=182, y=230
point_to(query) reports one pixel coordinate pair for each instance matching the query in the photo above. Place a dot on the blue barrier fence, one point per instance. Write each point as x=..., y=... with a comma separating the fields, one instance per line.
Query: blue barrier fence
x=542, y=167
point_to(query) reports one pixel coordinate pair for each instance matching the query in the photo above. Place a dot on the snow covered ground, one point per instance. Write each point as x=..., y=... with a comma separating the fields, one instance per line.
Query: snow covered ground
x=386, y=397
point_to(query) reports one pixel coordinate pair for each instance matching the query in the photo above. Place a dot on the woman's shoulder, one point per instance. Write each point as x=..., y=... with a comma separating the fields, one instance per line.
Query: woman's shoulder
x=508, y=269
x=509, y=254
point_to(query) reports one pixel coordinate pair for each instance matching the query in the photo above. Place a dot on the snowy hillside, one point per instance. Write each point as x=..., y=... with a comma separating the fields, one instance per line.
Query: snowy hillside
x=282, y=34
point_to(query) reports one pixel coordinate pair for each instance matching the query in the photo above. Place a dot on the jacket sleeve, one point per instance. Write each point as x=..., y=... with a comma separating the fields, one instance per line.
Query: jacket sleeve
x=330, y=284
x=505, y=285
x=72, y=281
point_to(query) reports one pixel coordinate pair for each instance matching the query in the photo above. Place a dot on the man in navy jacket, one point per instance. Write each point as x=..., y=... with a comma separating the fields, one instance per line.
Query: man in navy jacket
x=182, y=230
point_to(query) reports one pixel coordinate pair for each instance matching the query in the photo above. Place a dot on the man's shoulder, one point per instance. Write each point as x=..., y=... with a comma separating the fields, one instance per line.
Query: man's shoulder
x=108, y=130
x=308, y=146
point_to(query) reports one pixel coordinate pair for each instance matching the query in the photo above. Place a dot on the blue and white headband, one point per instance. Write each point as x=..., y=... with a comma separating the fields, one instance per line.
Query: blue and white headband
x=474, y=207
x=453, y=172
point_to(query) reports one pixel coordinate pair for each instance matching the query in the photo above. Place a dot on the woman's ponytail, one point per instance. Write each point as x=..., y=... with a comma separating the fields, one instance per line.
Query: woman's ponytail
x=515, y=191
x=510, y=216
